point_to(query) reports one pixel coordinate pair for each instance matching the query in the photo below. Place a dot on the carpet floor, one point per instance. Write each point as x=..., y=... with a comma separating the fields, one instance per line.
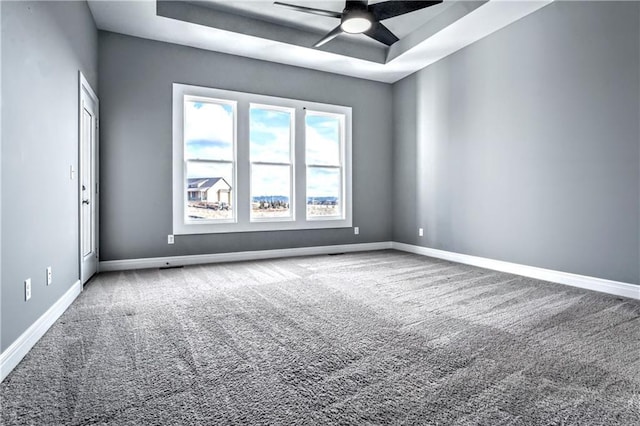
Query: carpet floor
x=365, y=338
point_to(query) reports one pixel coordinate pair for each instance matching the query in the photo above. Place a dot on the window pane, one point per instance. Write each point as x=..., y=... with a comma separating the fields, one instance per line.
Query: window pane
x=209, y=191
x=270, y=191
x=208, y=131
x=270, y=134
x=323, y=192
x=323, y=139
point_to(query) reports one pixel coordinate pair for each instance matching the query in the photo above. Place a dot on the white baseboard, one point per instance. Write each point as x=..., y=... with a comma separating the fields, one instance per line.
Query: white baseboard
x=23, y=344
x=590, y=283
x=158, y=262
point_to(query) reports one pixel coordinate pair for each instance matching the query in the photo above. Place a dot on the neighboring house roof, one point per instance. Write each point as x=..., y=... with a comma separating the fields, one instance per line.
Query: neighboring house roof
x=204, y=184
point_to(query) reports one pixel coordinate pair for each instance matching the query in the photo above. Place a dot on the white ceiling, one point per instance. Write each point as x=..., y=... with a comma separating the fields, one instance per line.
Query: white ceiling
x=250, y=28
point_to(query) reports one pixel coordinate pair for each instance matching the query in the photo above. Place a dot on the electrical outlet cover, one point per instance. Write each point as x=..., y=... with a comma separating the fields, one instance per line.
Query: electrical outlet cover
x=27, y=289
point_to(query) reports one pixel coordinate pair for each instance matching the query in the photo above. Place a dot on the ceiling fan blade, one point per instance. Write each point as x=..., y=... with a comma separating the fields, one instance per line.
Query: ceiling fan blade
x=389, y=9
x=356, y=4
x=333, y=34
x=321, y=12
x=381, y=33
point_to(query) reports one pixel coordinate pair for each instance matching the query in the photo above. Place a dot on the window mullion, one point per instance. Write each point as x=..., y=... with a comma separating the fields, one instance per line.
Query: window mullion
x=267, y=163
x=323, y=166
x=199, y=160
x=243, y=165
x=300, y=170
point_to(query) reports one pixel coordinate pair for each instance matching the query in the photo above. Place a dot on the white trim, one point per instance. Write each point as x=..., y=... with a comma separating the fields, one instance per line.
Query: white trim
x=85, y=90
x=84, y=84
x=590, y=283
x=12, y=356
x=157, y=262
x=582, y=281
x=242, y=165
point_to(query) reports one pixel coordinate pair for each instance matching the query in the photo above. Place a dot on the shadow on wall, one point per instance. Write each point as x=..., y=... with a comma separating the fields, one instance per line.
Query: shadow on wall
x=433, y=120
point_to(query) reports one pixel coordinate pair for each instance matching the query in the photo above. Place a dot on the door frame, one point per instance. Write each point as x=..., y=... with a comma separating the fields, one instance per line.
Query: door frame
x=84, y=86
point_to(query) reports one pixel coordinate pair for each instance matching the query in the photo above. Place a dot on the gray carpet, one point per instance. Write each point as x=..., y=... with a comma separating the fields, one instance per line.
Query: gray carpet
x=367, y=338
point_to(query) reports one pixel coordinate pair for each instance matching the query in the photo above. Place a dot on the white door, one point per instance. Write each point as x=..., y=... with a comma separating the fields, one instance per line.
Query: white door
x=88, y=181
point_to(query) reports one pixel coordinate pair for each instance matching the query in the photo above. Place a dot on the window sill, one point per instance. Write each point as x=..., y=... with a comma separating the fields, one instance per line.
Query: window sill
x=227, y=228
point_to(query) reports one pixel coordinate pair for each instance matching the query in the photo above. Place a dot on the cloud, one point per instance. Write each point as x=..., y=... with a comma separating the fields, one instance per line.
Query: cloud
x=209, y=135
x=210, y=170
x=270, y=135
x=270, y=144
x=208, y=150
x=323, y=140
x=323, y=182
x=270, y=180
x=275, y=117
x=208, y=130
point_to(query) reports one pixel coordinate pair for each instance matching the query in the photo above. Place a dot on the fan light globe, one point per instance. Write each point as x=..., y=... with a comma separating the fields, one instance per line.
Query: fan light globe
x=355, y=25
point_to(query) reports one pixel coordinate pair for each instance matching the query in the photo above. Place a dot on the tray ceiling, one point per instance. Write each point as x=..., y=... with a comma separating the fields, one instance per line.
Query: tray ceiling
x=261, y=30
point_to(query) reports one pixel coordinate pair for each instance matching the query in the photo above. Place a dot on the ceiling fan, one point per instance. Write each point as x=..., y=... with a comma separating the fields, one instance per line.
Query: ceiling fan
x=360, y=17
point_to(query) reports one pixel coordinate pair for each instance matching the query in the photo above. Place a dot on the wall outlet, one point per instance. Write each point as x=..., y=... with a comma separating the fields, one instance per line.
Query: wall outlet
x=356, y=230
x=27, y=289
x=420, y=232
x=170, y=239
x=49, y=276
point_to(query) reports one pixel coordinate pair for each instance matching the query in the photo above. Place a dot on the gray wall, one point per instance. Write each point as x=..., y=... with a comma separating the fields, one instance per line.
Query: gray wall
x=44, y=44
x=136, y=77
x=524, y=146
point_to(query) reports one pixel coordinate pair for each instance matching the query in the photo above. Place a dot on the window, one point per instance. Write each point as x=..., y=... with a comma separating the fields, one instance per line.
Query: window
x=209, y=154
x=270, y=135
x=324, y=157
x=244, y=162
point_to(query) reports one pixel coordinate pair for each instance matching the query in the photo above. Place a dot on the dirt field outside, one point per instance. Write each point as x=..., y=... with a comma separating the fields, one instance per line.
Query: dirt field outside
x=196, y=212
x=320, y=210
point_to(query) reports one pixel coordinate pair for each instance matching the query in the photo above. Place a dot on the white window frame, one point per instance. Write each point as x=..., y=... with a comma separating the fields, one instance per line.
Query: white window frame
x=233, y=161
x=291, y=163
x=242, y=171
x=340, y=166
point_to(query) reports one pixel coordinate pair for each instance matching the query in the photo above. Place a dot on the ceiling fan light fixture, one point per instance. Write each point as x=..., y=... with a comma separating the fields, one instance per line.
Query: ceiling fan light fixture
x=360, y=17
x=355, y=23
